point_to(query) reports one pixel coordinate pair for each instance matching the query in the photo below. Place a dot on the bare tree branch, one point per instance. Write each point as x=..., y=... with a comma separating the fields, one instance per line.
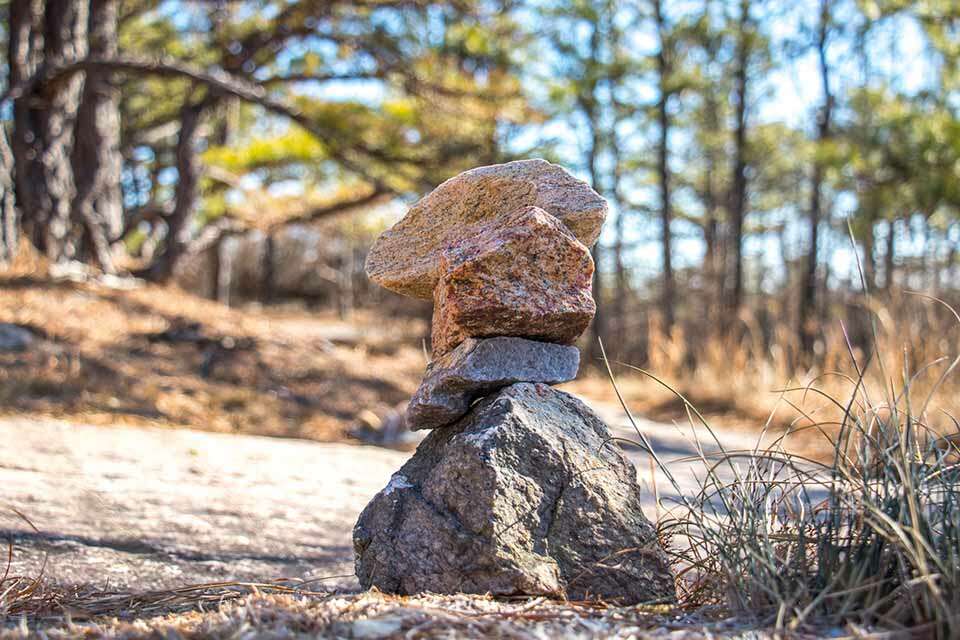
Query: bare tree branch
x=217, y=80
x=335, y=208
x=322, y=77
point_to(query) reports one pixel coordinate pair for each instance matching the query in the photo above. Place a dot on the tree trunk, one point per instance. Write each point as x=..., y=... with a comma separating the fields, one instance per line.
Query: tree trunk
x=97, y=162
x=807, y=328
x=9, y=224
x=738, y=197
x=711, y=231
x=619, y=227
x=663, y=171
x=869, y=259
x=588, y=101
x=65, y=39
x=599, y=326
x=24, y=52
x=713, y=259
x=44, y=35
x=186, y=193
x=945, y=272
x=888, y=259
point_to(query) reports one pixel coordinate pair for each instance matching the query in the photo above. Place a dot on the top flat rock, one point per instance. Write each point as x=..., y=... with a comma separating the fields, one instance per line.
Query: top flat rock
x=406, y=256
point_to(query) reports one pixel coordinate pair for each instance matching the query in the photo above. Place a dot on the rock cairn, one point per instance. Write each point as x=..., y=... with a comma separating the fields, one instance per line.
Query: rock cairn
x=518, y=490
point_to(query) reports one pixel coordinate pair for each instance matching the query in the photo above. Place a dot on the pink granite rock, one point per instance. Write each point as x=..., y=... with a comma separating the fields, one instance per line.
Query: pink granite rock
x=405, y=258
x=523, y=274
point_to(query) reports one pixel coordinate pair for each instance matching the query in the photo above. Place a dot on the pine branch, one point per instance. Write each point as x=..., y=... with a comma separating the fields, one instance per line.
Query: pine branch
x=335, y=208
x=216, y=79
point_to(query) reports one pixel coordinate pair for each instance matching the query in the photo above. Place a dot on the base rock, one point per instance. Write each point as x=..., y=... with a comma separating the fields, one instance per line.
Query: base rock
x=525, y=495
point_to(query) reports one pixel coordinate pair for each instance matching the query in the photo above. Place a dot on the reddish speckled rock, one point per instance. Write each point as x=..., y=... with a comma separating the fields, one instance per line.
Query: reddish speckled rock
x=523, y=275
x=405, y=258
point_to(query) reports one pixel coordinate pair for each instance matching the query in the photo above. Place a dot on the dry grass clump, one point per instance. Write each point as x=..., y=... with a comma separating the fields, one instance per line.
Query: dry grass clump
x=20, y=595
x=871, y=536
x=735, y=377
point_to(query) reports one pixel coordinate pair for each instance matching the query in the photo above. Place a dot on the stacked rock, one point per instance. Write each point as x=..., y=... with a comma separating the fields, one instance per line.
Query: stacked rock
x=519, y=489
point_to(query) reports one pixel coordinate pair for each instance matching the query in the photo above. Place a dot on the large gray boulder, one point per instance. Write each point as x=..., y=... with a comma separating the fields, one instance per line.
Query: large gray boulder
x=477, y=367
x=526, y=495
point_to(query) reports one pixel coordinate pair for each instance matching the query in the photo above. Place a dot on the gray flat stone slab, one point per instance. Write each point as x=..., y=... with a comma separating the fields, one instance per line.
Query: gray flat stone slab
x=478, y=367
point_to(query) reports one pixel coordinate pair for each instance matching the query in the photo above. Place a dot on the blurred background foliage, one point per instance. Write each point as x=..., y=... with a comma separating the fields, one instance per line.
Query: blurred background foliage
x=767, y=163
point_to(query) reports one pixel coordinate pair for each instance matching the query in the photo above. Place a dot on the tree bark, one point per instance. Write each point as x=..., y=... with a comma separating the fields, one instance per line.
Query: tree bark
x=65, y=26
x=97, y=161
x=888, y=260
x=619, y=227
x=186, y=193
x=668, y=295
x=738, y=196
x=24, y=53
x=869, y=259
x=945, y=272
x=588, y=101
x=713, y=258
x=807, y=321
x=9, y=224
x=43, y=35
x=599, y=326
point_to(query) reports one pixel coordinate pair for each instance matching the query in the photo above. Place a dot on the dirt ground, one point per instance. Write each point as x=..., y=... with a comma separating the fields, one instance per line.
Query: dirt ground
x=134, y=509
x=154, y=356
x=147, y=508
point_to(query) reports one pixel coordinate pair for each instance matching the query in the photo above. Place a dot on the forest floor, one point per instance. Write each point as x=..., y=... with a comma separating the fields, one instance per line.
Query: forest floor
x=155, y=356
x=139, y=354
